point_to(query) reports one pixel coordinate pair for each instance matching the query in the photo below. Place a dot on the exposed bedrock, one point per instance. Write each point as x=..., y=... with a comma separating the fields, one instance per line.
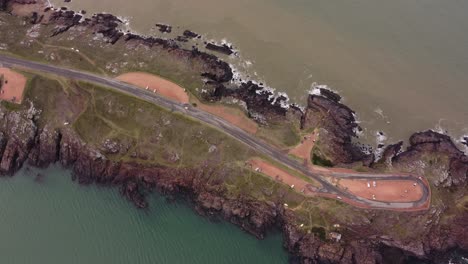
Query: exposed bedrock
x=429, y=145
x=18, y=132
x=164, y=28
x=337, y=126
x=223, y=48
x=190, y=34
x=46, y=148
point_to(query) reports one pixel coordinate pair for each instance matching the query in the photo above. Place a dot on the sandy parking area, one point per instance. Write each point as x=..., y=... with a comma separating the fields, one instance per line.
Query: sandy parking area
x=304, y=149
x=157, y=84
x=234, y=117
x=282, y=176
x=385, y=190
x=12, y=87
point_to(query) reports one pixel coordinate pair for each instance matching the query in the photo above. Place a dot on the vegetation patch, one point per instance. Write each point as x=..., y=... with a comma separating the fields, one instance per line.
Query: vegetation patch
x=320, y=161
x=320, y=232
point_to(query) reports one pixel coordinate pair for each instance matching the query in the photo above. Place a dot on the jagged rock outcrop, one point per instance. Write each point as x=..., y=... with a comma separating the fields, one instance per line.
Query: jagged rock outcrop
x=163, y=28
x=19, y=133
x=311, y=248
x=46, y=148
x=337, y=126
x=263, y=106
x=256, y=218
x=223, y=48
x=190, y=34
x=432, y=143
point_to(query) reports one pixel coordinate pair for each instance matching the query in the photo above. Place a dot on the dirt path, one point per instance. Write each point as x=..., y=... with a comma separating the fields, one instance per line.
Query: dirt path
x=81, y=54
x=234, y=117
x=304, y=149
x=12, y=86
x=283, y=176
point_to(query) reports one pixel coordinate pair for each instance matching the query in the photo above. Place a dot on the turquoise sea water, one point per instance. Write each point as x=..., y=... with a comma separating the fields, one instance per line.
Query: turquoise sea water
x=56, y=221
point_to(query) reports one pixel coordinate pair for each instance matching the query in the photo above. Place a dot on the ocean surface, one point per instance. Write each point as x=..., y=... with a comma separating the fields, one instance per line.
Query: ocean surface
x=56, y=221
x=401, y=65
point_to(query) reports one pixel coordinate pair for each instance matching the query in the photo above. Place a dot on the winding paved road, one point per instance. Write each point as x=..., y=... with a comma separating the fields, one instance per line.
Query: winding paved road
x=223, y=125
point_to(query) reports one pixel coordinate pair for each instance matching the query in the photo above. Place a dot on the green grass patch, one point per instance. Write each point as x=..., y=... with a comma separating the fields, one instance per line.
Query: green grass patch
x=283, y=135
x=319, y=161
x=157, y=134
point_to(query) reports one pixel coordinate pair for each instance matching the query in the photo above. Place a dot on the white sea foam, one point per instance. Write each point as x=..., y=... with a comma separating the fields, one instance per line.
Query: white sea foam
x=380, y=112
x=240, y=76
x=316, y=87
x=464, y=142
x=125, y=20
x=380, y=139
x=438, y=127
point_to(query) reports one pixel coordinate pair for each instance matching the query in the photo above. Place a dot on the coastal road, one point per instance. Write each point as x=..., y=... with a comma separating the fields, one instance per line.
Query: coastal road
x=327, y=188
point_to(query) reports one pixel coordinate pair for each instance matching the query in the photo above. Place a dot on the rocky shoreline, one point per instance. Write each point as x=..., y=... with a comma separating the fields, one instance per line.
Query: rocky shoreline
x=21, y=141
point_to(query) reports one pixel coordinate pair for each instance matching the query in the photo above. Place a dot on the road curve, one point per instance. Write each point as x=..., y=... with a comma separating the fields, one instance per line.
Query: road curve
x=237, y=133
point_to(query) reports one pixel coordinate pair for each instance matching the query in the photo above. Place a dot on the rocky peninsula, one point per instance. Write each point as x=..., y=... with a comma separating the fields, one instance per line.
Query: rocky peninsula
x=36, y=133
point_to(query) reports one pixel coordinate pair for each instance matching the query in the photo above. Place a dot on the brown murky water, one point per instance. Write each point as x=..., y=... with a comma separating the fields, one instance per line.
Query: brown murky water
x=402, y=65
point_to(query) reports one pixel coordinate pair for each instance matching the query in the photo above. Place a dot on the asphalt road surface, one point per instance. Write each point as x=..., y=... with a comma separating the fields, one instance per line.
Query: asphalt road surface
x=232, y=130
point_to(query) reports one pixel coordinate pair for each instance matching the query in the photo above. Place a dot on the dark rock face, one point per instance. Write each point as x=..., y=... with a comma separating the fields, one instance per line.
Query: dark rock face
x=46, y=148
x=262, y=104
x=225, y=49
x=190, y=34
x=163, y=28
x=433, y=143
x=330, y=95
x=310, y=248
x=390, y=152
x=337, y=128
x=65, y=20
x=18, y=135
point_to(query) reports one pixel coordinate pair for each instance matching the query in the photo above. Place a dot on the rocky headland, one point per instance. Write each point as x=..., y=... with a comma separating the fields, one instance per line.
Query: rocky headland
x=425, y=235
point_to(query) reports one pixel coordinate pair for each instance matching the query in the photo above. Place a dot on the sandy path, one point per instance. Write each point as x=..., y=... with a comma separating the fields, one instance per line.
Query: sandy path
x=304, y=149
x=282, y=176
x=386, y=191
x=239, y=119
x=154, y=83
x=13, y=86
